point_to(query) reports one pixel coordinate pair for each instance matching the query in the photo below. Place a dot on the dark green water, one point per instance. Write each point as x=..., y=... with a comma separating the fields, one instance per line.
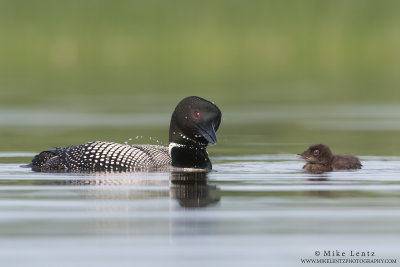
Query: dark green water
x=354, y=129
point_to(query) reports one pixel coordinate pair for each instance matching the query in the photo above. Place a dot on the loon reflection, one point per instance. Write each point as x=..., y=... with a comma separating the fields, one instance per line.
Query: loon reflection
x=192, y=190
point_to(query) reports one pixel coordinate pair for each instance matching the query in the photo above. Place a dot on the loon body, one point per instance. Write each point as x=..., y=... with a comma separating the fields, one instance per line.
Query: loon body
x=193, y=125
x=102, y=156
x=319, y=158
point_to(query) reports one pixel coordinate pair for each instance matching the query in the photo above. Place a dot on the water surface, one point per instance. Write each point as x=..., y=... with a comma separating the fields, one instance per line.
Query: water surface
x=256, y=210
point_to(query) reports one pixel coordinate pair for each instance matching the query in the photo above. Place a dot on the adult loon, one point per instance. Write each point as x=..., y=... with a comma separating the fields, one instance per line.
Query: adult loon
x=194, y=123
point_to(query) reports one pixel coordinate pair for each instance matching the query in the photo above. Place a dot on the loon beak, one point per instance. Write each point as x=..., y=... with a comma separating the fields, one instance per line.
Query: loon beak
x=301, y=155
x=208, y=132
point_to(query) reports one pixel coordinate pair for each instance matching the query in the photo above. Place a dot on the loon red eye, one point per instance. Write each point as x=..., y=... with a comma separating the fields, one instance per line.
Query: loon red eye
x=196, y=114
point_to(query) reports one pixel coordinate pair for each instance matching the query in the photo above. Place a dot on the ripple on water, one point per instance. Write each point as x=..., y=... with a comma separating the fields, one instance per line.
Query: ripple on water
x=261, y=206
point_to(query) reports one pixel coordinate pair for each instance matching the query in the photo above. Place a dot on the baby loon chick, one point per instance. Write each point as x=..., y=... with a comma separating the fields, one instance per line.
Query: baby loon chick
x=320, y=158
x=194, y=123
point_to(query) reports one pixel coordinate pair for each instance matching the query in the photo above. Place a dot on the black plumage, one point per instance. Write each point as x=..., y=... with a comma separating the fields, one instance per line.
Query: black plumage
x=102, y=156
x=193, y=125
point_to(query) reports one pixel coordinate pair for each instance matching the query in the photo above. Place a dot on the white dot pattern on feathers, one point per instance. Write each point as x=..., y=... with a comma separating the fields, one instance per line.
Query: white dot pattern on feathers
x=108, y=156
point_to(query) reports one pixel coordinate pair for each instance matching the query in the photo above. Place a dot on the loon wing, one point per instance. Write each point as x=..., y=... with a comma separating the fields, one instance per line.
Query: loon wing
x=102, y=156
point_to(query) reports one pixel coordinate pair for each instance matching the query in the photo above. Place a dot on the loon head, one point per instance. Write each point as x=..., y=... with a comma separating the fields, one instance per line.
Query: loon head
x=317, y=154
x=194, y=122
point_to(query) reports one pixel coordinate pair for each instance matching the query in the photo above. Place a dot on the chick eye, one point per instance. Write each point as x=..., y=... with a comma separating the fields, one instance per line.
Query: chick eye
x=196, y=114
x=316, y=152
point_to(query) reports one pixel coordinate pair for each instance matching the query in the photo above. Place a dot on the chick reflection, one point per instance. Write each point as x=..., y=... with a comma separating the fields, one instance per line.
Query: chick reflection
x=192, y=190
x=318, y=178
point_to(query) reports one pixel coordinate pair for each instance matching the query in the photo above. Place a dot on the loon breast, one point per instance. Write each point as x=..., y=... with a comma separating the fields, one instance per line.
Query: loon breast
x=102, y=156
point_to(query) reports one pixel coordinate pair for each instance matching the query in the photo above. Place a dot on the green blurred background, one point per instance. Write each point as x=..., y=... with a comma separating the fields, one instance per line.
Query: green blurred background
x=256, y=59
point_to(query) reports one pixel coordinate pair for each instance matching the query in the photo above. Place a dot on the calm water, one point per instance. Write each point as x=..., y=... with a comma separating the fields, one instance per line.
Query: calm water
x=256, y=208
x=260, y=210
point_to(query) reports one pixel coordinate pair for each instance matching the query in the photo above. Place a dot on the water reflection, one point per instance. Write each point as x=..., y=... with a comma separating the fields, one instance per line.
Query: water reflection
x=322, y=177
x=192, y=190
